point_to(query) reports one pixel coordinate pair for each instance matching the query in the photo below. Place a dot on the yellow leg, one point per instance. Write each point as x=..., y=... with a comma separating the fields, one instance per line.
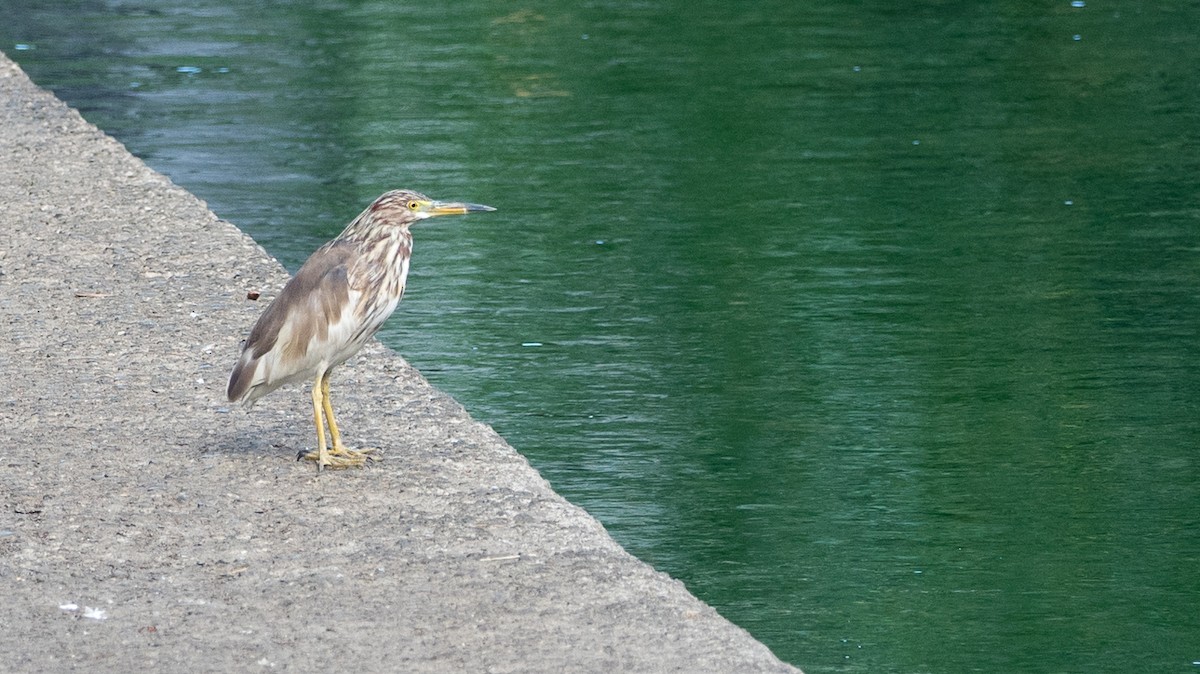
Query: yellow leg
x=337, y=456
x=334, y=433
x=322, y=453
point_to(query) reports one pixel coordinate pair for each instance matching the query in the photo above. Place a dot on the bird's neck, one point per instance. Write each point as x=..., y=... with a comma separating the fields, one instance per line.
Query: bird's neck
x=383, y=260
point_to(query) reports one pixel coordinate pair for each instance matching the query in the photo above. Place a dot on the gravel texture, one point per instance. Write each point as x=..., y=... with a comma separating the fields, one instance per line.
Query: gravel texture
x=147, y=524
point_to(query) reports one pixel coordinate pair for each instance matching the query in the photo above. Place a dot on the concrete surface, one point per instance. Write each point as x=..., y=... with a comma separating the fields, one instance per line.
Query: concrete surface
x=148, y=525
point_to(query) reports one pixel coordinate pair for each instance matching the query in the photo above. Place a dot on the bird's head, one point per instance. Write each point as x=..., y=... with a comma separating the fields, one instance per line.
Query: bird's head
x=402, y=207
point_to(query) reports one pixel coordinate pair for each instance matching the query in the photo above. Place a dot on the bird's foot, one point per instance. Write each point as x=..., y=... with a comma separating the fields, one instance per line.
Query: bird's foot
x=340, y=457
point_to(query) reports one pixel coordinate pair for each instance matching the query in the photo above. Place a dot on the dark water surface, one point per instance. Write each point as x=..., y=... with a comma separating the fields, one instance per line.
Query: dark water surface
x=877, y=324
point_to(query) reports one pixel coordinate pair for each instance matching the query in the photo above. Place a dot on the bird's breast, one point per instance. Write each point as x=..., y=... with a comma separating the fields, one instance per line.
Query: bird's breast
x=379, y=276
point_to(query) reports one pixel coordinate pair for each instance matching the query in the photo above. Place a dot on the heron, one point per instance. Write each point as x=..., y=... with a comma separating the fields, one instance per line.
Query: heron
x=325, y=313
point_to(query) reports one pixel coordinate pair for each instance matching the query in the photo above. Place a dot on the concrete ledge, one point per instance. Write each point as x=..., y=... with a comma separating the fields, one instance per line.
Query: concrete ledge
x=146, y=524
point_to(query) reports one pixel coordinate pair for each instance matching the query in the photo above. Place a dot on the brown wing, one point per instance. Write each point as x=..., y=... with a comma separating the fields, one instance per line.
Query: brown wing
x=306, y=307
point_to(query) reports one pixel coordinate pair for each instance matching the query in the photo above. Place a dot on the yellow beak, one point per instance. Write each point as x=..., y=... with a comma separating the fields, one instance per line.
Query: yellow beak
x=455, y=208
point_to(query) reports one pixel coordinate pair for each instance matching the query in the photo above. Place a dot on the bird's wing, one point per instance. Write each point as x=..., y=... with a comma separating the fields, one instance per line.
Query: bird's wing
x=304, y=326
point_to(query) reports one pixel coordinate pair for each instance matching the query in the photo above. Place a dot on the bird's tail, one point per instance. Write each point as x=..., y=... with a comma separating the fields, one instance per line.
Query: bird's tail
x=240, y=380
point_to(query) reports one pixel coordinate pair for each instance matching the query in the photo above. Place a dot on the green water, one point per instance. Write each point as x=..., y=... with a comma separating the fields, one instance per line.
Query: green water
x=877, y=324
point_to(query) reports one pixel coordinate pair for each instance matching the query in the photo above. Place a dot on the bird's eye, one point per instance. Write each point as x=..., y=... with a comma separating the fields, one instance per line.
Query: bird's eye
x=414, y=205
